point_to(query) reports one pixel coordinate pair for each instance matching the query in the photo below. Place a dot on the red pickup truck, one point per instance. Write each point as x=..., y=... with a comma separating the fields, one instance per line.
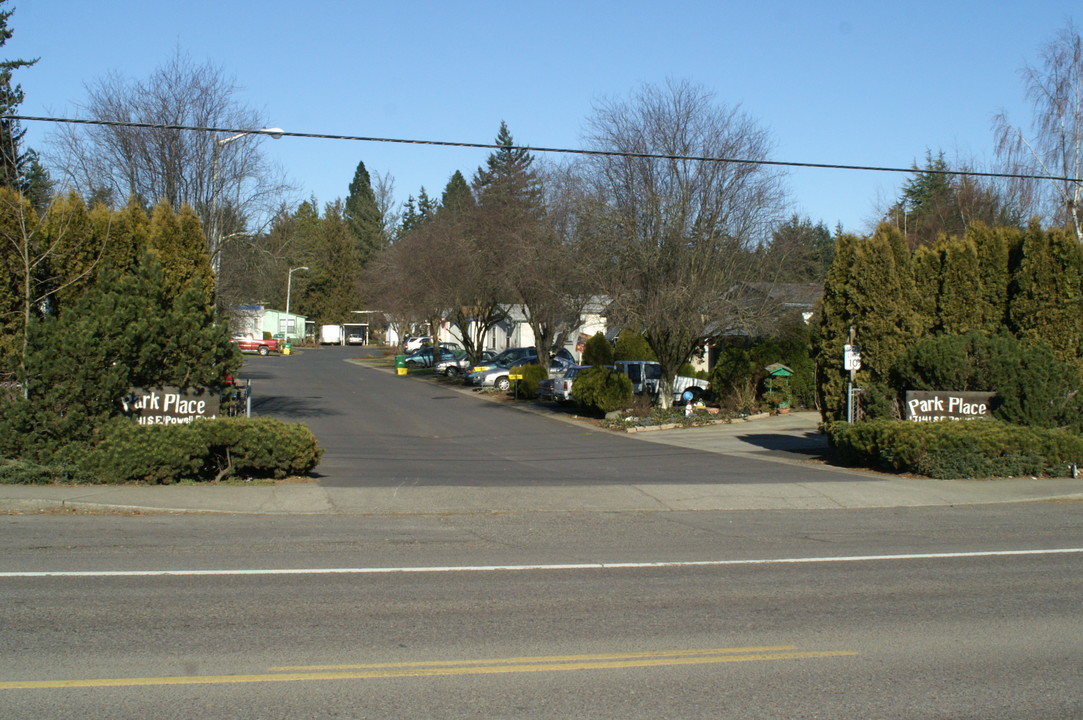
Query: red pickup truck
x=247, y=343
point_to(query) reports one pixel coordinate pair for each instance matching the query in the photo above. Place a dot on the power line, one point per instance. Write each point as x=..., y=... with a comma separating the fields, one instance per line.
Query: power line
x=538, y=149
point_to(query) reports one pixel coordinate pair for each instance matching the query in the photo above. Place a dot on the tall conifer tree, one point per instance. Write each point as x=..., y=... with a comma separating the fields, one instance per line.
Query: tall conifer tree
x=17, y=167
x=362, y=215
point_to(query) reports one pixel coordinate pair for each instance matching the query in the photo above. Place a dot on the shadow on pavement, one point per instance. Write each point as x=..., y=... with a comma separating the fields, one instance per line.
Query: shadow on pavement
x=288, y=407
x=810, y=445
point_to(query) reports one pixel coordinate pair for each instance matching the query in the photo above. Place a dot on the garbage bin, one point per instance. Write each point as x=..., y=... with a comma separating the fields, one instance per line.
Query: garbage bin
x=400, y=364
x=287, y=349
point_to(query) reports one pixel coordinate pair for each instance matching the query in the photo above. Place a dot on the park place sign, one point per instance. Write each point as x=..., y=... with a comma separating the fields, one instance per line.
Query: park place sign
x=934, y=405
x=169, y=405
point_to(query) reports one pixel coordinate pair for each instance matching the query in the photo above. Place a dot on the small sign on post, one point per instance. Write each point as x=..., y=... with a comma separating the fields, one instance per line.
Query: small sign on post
x=851, y=357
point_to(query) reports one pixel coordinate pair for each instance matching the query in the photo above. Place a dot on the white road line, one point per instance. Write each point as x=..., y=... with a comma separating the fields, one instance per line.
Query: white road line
x=535, y=568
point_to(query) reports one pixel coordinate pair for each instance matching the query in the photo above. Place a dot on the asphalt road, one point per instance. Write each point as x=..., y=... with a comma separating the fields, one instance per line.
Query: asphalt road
x=965, y=612
x=379, y=429
x=946, y=612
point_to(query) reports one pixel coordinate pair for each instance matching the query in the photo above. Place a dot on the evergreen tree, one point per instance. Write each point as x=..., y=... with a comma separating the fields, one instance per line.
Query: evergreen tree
x=363, y=215
x=176, y=240
x=927, y=266
x=597, y=352
x=127, y=232
x=960, y=293
x=410, y=218
x=508, y=175
x=416, y=211
x=19, y=169
x=799, y=251
x=127, y=330
x=631, y=345
x=840, y=313
x=995, y=248
x=426, y=206
x=869, y=287
x=1046, y=303
x=457, y=195
x=937, y=201
x=76, y=245
x=332, y=286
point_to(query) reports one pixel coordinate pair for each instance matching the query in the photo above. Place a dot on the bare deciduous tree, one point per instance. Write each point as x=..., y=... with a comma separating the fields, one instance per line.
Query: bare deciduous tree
x=223, y=181
x=1056, y=146
x=552, y=272
x=674, y=233
x=390, y=209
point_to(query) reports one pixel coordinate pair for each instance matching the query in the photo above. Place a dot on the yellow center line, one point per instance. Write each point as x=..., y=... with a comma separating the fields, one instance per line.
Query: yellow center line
x=556, y=664
x=541, y=659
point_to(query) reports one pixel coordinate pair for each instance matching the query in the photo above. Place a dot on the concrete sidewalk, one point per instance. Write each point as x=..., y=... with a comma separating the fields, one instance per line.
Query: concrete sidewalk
x=788, y=439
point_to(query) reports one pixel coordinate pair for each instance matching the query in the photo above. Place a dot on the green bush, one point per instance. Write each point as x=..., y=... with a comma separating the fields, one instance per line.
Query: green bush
x=600, y=389
x=965, y=449
x=597, y=351
x=204, y=450
x=632, y=345
x=532, y=375
x=21, y=472
x=1034, y=388
x=740, y=366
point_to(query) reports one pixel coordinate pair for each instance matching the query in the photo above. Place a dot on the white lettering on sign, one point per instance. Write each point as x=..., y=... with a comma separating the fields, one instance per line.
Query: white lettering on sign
x=936, y=405
x=171, y=405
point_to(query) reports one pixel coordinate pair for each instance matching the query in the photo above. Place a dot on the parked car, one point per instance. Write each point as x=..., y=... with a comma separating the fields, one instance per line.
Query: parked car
x=413, y=344
x=249, y=343
x=527, y=356
x=424, y=357
x=355, y=339
x=460, y=365
x=496, y=373
x=559, y=388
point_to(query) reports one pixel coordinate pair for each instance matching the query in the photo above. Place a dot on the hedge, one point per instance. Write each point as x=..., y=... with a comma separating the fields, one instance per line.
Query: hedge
x=955, y=450
x=205, y=450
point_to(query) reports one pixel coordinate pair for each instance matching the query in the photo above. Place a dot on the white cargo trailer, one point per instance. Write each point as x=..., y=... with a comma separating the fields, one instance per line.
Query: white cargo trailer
x=331, y=335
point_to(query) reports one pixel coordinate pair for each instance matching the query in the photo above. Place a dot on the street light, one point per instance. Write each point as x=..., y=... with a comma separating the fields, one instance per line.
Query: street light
x=289, y=288
x=216, y=234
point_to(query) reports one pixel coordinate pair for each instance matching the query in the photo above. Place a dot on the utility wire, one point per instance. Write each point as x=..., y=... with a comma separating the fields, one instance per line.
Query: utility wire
x=531, y=148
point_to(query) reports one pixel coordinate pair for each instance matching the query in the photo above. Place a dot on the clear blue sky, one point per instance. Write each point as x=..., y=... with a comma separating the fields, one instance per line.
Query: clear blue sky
x=857, y=83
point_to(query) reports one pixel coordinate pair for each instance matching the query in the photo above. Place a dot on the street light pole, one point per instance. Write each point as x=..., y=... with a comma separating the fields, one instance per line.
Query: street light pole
x=216, y=210
x=289, y=288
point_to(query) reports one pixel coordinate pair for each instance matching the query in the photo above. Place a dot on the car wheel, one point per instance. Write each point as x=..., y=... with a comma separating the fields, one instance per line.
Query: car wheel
x=502, y=383
x=263, y=350
x=451, y=371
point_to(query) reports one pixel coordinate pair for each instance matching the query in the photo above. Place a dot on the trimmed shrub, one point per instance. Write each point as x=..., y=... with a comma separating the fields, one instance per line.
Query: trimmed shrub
x=21, y=472
x=597, y=351
x=205, y=450
x=532, y=375
x=600, y=389
x=953, y=450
